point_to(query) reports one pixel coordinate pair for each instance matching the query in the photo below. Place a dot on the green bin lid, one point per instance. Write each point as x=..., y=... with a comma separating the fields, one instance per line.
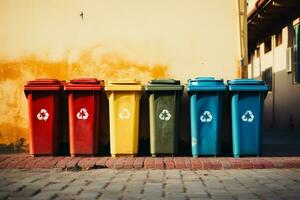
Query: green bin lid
x=206, y=84
x=164, y=85
x=165, y=81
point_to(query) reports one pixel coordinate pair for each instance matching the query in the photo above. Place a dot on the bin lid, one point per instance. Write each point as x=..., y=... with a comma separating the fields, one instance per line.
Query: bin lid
x=84, y=84
x=85, y=81
x=205, y=84
x=247, y=85
x=164, y=85
x=43, y=84
x=124, y=85
x=165, y=81
x=124, y=82
x=245, y=81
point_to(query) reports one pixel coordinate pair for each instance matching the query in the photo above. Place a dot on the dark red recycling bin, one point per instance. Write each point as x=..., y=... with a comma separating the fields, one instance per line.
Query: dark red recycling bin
x=84, y=115
x=43, y=108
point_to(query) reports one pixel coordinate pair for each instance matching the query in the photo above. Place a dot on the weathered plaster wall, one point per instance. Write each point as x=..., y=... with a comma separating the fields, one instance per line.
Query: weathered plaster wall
x=115, y=39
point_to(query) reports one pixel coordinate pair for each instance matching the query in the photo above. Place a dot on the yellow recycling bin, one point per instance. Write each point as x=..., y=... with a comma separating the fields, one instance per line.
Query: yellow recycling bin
x=124, y=102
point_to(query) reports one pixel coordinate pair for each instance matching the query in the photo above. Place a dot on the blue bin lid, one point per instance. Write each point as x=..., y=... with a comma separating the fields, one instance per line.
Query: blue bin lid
x=247, y=85
x=246, y=81
x=206, y=84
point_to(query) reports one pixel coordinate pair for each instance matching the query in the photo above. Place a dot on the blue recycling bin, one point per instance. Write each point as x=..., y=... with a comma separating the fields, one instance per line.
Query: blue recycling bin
x=206, y=95
x=247, y=102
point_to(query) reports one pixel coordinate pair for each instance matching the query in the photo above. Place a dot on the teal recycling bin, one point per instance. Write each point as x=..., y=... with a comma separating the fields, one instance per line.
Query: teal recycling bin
x=247, y=99
x=206, y=95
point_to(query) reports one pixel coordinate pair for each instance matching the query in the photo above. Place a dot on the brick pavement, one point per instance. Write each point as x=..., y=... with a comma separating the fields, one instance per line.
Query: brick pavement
x=149, y=184
x=25, y=161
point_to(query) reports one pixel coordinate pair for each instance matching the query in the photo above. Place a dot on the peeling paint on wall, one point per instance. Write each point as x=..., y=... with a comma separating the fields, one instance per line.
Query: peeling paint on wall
x=14, y=74
x=116, y=39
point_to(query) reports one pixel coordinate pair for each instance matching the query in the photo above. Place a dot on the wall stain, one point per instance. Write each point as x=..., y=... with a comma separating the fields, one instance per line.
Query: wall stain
x=15, y=73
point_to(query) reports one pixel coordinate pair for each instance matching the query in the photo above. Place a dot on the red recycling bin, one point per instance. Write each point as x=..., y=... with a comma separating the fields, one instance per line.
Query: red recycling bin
x=84, y=115
x=43, y=108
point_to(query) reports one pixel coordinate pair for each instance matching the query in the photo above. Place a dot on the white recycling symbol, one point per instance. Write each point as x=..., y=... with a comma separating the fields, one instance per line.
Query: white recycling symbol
x=206, y=116
x=194, y=141
x=124, y=114
x=43, y=115
x=165, y=115
x=82, y=114
x=248, y=116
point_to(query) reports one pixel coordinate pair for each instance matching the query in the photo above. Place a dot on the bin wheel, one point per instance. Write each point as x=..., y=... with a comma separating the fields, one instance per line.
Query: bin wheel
x=195, y=156
x=153, y=155
x=236, y=155
x=113, y=155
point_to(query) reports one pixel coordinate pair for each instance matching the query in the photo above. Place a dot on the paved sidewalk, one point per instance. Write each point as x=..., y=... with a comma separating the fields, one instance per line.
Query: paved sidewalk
x=150, y=184
x=26, y=161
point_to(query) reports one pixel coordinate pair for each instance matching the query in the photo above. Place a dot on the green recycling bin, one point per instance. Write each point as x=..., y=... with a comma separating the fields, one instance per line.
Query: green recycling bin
x=164, y=102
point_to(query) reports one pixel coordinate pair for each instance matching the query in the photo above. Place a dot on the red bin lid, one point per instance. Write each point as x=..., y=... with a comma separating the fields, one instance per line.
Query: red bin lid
x=84, y=84
x=85, y=81
x=43, y=84
x=43, y=81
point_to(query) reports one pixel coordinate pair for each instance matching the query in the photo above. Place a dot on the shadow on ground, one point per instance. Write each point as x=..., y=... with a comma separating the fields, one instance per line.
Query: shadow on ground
x=285, y=143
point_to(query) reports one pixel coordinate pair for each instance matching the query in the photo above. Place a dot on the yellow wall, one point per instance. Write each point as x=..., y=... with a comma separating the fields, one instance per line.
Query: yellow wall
x=251, y=5
x=134, y=38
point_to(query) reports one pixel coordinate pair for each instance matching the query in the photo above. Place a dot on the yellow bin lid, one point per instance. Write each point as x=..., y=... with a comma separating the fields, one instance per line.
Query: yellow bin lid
x=124, y=85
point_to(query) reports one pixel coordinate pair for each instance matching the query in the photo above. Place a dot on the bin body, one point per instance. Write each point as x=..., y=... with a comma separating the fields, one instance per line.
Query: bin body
x=206, y=95
x=124, y=97
x=247, y=98
x=84, y=115
x=164, y=104
x=44, y=109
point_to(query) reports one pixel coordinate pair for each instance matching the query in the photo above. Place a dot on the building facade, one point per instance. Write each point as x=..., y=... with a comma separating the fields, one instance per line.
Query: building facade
x=274, y=56
x=110, y=40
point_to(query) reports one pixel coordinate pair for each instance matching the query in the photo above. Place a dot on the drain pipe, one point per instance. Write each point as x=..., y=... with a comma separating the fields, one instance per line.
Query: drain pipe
x=242, y=36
